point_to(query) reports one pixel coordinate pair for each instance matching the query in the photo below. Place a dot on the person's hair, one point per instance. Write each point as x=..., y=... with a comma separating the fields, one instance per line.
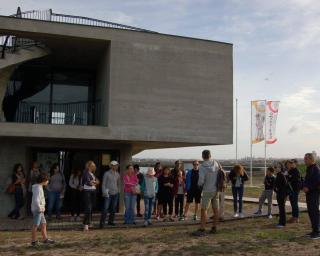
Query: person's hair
x=270, y=169
x=178, y=162
x=294, y=161
x=33, y=164
x=42, y=178
x=238, y=169
x=53, y=167
x=90, y=162
x=16, y=167
x=206, y=154
x=165, y=168
x=136, y=166
x=310, y=156
x=281, y=166
x=128, y=166
x=195, y=161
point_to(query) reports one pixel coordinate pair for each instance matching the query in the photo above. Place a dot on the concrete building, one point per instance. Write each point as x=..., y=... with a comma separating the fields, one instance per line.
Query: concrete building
x=74, y=89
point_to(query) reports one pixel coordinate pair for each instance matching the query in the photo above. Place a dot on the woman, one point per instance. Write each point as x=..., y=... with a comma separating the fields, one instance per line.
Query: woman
x=165, y=193
x=56, y=189
x=130, y=182
x=89, y=183
x=281, y=189
x=238, y=176
x=18, y=179
x=76, y=196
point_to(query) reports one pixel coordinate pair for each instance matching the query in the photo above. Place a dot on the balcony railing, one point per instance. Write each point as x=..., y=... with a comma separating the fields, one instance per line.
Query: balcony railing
x=75, y=113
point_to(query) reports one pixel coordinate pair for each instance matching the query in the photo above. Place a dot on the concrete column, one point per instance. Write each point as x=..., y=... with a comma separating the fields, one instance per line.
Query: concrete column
x=125, y=159
x=5, y=75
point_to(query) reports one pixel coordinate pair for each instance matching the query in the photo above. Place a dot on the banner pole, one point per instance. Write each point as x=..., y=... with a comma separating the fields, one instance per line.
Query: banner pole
x=265, y=140
x=251, y=182
x=236, y=130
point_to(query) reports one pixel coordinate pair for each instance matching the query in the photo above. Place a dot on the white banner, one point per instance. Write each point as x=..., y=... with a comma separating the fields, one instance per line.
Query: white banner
x=258, y=118
x=271, y=119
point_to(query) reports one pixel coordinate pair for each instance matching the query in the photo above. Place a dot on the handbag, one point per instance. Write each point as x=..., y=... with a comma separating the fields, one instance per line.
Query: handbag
x=136, y=189
x=11, y=189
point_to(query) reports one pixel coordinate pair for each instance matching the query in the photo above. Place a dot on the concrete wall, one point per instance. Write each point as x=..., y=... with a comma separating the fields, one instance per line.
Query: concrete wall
x=162, y=88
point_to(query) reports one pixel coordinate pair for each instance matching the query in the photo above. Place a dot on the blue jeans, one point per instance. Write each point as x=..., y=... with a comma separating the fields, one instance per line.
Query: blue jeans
x=148, y=207
x=54, y=202
x=237, y=193
x=130, y=200
x=110, y=204
x=19, y=202
x=294, y=198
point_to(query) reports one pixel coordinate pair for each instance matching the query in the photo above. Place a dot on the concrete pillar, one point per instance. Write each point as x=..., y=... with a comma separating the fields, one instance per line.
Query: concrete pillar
x=5, y=75
x=125, y=159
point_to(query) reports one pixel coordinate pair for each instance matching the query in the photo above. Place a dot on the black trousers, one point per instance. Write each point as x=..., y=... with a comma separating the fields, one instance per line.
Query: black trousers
x=76, y=203
x=18, y=196
x=281, y=199
x=89, y=200
x=312, y=199
x=138, y=203
x=178, y=205
x=167, y=202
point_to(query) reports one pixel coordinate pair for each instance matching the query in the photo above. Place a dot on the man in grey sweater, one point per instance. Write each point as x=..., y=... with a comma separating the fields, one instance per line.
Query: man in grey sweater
x=208, y=181
x=110, y=191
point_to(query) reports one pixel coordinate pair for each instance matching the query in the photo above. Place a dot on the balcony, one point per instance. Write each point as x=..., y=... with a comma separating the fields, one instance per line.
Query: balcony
x=75, y=113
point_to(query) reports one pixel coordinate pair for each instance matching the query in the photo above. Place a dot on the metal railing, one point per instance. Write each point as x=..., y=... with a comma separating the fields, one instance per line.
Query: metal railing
x=75, y=113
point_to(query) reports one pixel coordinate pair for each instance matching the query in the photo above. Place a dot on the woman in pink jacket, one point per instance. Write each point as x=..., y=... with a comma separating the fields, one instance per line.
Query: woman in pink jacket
x=130, y=181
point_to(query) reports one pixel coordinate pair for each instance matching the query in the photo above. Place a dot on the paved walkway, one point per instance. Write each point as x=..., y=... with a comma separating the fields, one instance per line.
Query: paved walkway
x=250, y=206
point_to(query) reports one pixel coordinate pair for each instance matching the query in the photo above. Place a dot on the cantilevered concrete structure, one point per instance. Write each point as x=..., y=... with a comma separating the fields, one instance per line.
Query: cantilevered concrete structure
x=75, y=89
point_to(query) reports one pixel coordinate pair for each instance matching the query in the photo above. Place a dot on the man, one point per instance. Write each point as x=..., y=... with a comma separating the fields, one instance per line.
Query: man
x=193, y=190
x=294, y=181
x=208, y=181
x=136, y=168
x=311, y=188
x=110, y=191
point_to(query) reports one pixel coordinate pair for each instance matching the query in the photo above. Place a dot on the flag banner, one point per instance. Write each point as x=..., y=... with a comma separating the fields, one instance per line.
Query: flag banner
x=271, y=119
x=258, y=118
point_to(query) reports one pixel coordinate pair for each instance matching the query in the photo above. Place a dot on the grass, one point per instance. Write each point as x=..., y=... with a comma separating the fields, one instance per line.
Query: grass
x=244, y=237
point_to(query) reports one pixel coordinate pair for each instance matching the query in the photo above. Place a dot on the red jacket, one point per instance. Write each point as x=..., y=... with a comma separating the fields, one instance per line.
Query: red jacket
x=176, y=185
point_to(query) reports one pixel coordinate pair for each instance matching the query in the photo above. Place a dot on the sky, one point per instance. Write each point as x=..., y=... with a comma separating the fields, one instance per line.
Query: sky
x=276, y=57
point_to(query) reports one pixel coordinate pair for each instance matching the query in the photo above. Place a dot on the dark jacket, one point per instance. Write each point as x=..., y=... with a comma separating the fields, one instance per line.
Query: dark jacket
x=294, y=179
x=312, y=179
x=269, y=182
x=165, y=190
x=233, y=177
x=281, y=184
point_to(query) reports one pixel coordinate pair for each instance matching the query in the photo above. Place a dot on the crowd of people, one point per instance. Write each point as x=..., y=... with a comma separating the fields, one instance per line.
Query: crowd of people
x=163, y=191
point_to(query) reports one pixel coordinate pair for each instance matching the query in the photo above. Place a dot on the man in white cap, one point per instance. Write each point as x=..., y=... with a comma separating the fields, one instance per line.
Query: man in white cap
x=110, y=191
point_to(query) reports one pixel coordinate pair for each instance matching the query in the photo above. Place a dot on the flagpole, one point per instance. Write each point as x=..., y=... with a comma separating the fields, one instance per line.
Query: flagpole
x=265, y=140
x=236, y=130
x=251, y=146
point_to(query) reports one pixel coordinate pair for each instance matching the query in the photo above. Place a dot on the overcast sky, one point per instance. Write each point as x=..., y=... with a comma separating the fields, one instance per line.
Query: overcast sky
x=276, y=57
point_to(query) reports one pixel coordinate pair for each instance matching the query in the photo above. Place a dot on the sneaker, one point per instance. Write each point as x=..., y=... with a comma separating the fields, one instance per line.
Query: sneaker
x=111, y=224
x=77, y=218
x=48, y=241
x=139, y=215
x=146, y=223
x=86, y=228
x=315, y=236
x=149, y=222
x=213, y=230
x=195, y=217
x=171, y=219
x=241, y=215
x=221, y=219
x=199, y=232
x=258, y=213
x=72, y=219
x=309, y=234
x=181, y=218
x=158, y=218
x=270, y=216
x=280, y=226
x=35, y=243
x=236, y=215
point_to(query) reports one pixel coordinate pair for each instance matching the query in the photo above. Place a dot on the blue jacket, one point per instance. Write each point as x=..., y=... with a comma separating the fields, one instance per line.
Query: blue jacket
x=312, y=179
x=188, y=179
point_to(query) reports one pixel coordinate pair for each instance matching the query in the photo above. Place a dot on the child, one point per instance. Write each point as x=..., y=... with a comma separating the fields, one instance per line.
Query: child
x=179, y=190
x=267, y=192
x=165, y=193
x=238, y=176
x=38, y=207
x=149, y=188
